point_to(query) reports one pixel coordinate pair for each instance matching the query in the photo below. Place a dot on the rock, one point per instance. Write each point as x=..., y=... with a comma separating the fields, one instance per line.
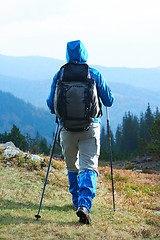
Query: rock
x=10, y=152
x=8, y=163
x=36, y=158
x=157, y=212
x=120, y=165
x=8, y=144
x=139, y=160
x=137, y=170
x=52, y=174
x=101, y=175
x=25, y=164
x=45, y=168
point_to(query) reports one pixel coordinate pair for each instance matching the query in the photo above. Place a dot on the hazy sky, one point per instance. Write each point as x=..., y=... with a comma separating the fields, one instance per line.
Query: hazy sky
x=115, y=32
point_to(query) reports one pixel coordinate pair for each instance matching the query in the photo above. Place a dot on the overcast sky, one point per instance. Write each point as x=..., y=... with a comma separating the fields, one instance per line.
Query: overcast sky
x=116, y=32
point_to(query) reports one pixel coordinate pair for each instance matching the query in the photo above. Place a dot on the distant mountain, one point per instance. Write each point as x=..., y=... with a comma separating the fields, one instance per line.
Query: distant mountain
x=35, y=92
x=29, y=78
x=43, y=68
x=31, y=68
x=148, y=78
x=25, y=116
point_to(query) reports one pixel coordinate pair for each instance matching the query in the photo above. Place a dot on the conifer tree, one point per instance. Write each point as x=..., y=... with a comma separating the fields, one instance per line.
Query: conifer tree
x=37, y=140
x=157, y=113
x=43, y=146
x=154, y=146
x=103, y=139
x=148, y=122
x=17, y=138
x=129, y=140
x=118, y=137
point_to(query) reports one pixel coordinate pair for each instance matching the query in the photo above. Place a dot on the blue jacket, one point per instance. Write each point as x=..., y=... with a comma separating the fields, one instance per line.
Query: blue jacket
x=76, y=52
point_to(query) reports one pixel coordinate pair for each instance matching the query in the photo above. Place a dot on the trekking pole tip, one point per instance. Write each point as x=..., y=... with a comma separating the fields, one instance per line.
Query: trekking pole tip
x=114, y=210
x=37, y=217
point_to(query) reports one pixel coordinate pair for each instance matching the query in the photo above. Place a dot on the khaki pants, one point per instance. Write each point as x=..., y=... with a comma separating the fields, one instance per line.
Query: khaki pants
x=81, y=149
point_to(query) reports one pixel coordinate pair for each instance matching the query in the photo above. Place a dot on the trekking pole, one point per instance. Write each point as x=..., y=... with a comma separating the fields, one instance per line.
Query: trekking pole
x=110, y=152
x=52, y=150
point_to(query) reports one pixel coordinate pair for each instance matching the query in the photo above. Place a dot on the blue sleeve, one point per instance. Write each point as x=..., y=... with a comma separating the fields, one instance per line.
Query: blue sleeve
x=103, y=89
x=50, y=99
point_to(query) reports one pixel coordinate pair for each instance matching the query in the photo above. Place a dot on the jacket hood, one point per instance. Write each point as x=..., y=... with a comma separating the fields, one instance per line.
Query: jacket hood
x=76, y=52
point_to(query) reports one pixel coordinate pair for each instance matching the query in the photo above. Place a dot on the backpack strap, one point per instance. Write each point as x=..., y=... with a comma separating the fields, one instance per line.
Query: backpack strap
x=58, y=75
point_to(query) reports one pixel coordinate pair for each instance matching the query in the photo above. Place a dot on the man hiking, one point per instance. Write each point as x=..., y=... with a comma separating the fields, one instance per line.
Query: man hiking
x=75, y=96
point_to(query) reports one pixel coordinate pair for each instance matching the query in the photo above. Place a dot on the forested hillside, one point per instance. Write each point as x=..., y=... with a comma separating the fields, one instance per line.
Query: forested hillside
x=32, y=128
x=137, y=137
x=25, y=116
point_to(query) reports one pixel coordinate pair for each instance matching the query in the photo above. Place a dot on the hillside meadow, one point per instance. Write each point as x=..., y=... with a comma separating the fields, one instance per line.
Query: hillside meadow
x=137, y=198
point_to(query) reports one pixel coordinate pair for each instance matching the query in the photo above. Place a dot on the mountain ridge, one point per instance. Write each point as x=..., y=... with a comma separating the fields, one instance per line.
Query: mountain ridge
x=133, y=90
x=42, y=68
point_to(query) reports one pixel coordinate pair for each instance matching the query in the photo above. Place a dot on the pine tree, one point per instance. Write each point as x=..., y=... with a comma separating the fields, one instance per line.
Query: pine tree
x=129, y=139
x=142, y=128
x=17, y=138
x=148, y=122
x=157, y=113
x=154, y=146
x=37, y=140
x=43, y=146
x=118, y=137
x=103, y=139
x=4, y=137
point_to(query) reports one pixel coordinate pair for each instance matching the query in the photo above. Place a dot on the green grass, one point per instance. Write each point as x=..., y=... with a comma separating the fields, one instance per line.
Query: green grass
x=136, y=195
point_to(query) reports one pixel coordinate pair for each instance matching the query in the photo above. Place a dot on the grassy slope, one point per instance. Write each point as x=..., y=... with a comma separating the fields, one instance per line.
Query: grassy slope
x=136, y=195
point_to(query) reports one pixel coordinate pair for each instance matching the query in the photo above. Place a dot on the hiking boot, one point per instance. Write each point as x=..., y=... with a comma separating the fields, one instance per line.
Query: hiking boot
x=84, y=215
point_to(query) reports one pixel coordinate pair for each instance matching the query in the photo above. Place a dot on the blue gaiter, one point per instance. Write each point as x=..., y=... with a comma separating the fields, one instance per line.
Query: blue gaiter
x=87, y=188
x=73, y=186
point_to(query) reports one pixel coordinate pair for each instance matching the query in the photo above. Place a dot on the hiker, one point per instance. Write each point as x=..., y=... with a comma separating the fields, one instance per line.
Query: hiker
x=80, y=146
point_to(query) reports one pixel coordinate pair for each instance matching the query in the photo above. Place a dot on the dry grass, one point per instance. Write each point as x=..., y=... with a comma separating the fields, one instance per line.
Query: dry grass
x=136, y=195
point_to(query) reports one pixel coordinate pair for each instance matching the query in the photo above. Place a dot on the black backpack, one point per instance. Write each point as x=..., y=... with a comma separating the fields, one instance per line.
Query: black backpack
x=76, y=101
